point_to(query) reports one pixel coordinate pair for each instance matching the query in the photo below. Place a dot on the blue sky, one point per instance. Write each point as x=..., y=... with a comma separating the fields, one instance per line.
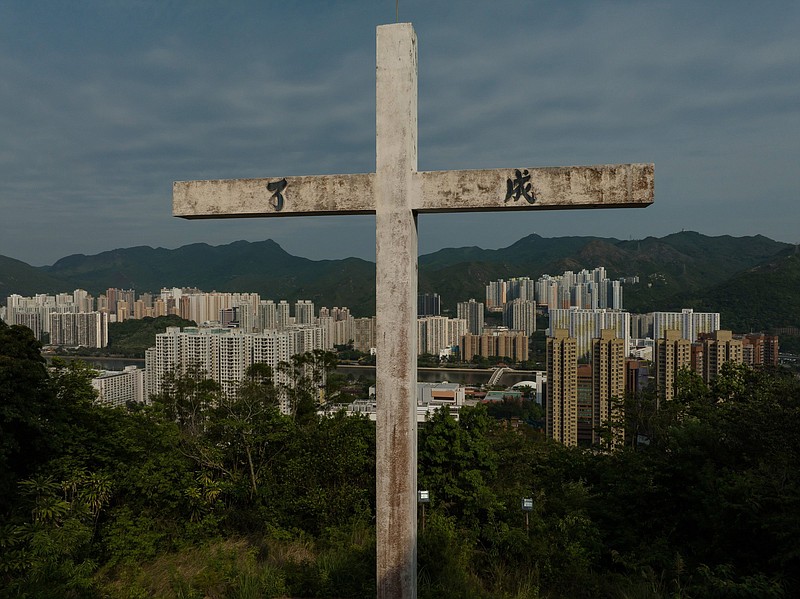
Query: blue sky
x=104, y=103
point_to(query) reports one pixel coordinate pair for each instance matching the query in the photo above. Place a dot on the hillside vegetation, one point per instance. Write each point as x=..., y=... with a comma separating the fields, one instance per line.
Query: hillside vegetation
x=203, y=495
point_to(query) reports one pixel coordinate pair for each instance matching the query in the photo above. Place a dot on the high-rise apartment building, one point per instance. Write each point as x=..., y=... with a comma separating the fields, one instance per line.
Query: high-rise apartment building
x=35, y=313
x=439, y=333
x=495, y=295
x=585, y=325
x=230, y=357
x=247, y=315
x=229, y=317
x=327, y=324
x=547, y=293
x=159, y=308
x=338, y=325
x=511, y=344
x=637, y=374
x=472, y=313
x=719, y=348
x=115, y=296
x=342, y=313
x=343, y=329
x=561, y=411
x=523, y=288
x=690, y=323
x=429, y=304
x=585, y=406
x=520, y=315
x=226, y=354
x=83, y=301
x=304, y=312
x=587, y=290
x=581, y=406
x=608, y=385
x=364, y=334
x=79, y=329
x=282, y=318
x=267, y=318
x=495, y=343
x=760, y=350
x=642, y=326
x=31, y=319
x=500, y=292
x=673, y=354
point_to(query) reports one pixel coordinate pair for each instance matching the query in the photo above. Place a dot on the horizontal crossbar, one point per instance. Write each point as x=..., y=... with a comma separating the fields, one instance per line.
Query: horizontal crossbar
x=495, y=190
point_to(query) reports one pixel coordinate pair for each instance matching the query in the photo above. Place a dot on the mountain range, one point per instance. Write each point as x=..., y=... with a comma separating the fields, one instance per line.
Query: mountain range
x=753, y=281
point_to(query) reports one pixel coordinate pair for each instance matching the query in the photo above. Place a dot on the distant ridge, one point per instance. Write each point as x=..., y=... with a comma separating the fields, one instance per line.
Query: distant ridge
x=18, y=277
x=684, y=269
x=262, y=267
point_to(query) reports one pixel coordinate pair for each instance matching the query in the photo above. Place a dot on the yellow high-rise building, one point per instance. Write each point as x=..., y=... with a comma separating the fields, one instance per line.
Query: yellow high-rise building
x=718, y=348
x=561, y=416
x=673, y=352
x=608, y=383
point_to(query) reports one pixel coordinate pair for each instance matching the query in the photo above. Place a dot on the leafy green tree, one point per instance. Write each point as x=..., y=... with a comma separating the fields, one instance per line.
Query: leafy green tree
x=427, y=360
x=327, y=476
x=300, y=390
x=25, y=403
x=526, y=409
x=710, y=488
x=701, y=501
x=444, y=554
x=456, y=460
x=48, y=556
x=303, y=382
x=154, y=508
x=250, y=428
x=480, y=361
x=188, y=398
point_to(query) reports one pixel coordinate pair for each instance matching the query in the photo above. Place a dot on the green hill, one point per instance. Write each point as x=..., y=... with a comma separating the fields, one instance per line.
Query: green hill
x=261, y=267
x=764, y=297
x=21, y=278
x=675, y=270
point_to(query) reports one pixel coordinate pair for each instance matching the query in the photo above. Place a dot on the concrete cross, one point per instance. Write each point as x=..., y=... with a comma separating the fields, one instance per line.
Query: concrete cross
x=396, y=193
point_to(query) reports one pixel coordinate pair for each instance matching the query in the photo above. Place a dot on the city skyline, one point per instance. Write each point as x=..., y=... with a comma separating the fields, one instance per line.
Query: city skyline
x=104, y=106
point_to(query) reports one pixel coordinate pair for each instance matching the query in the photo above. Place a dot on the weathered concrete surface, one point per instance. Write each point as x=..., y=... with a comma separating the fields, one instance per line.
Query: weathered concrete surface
x=396, y=307
x=602, y=186
x=306, y=196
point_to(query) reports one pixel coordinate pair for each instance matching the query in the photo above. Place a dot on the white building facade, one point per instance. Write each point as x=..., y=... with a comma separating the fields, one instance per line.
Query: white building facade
x=224, y=355
x=687, y=321
x=119, y=388
x=585, y=325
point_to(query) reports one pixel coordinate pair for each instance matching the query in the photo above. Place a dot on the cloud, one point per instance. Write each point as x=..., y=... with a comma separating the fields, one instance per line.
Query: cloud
x=103, y=105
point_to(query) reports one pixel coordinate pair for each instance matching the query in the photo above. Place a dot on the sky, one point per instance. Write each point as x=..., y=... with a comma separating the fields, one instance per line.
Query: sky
x=104, y=103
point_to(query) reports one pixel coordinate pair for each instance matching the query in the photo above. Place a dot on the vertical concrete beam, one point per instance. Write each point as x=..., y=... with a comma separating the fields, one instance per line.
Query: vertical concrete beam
x=396, y=306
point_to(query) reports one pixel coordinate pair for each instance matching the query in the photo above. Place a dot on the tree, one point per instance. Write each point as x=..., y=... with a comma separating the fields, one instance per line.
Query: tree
x=25, y=401
x=249, y=426
x=456, y=459
x=480, y=361
x=187, y=399
x=304, y=379
x=326, y=476
x=427, y=360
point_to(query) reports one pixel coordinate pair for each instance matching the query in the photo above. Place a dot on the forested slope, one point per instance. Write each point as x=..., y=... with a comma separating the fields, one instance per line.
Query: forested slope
x=201, y=495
